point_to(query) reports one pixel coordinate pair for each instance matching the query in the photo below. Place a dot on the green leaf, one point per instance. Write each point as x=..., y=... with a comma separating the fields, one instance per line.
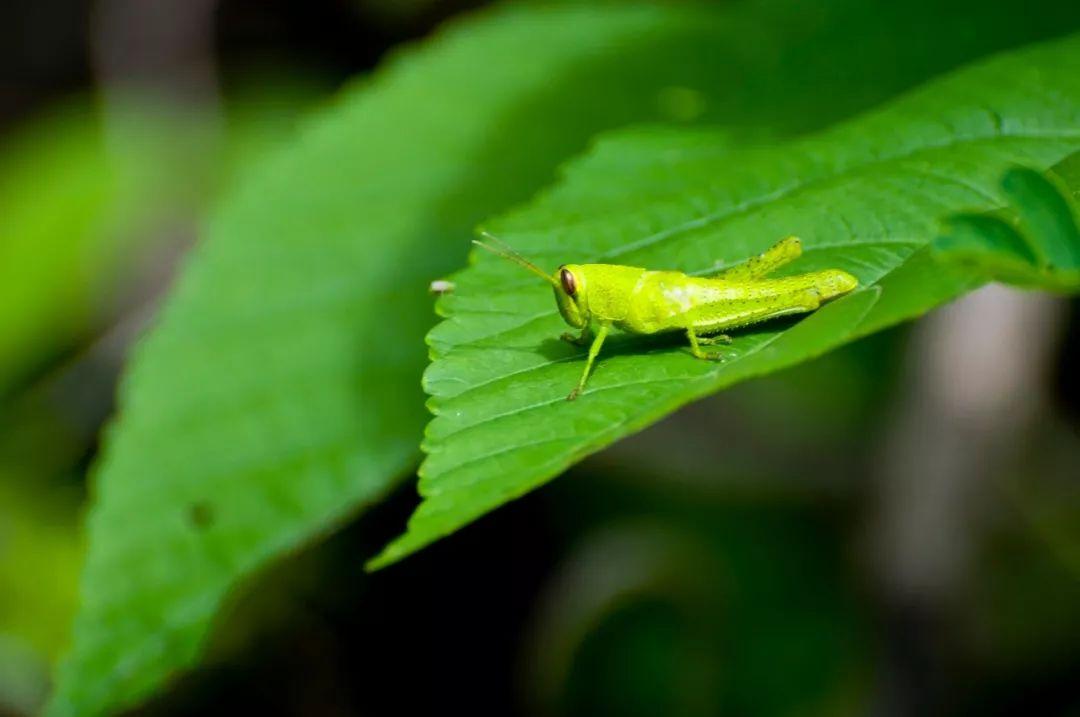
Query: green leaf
x=1068, y=172
x=280, y=391
x=865, y=196
x=1046, y=215
x=1034, y=242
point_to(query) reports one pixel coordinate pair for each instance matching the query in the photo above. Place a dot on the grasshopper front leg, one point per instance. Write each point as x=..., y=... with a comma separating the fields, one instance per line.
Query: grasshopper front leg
x=594, y=350
x=579, y=340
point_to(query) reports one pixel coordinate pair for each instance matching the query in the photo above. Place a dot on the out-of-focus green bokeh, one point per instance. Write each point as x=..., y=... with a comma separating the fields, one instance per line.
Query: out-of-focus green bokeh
x=99, y=200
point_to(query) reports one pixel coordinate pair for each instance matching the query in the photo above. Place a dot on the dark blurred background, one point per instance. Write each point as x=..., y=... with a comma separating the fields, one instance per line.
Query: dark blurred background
x=892, y=530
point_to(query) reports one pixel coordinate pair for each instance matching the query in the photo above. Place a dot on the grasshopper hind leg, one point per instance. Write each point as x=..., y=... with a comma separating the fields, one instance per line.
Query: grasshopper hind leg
x=695, y=346
x=760, y=266
x=751, y=312
x=714, y=340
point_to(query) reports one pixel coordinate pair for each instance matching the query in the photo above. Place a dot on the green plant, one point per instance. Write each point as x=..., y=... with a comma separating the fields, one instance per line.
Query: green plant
x=279, y=392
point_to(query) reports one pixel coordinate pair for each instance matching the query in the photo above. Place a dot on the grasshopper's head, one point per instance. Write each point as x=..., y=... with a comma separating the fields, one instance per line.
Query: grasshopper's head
x=568, y=282
x=570, y=295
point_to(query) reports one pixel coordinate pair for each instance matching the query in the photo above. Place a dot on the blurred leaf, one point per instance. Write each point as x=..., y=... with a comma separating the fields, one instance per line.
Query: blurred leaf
x=1046, y=216
x=864, y=196
x=23, y=678
x=1068, y=172
x=85, y=209
x=40, y=551
x=39, y=554
x=262, y=114
x=1034, y=242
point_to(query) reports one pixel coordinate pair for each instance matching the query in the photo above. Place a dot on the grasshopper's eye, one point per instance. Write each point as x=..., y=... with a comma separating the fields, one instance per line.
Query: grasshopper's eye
x=568, y=283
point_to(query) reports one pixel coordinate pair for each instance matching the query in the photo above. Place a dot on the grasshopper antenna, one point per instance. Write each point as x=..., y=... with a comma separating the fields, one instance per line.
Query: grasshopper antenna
x=499, y=248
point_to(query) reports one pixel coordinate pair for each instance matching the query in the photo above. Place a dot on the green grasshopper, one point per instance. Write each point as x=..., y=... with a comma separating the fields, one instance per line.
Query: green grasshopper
x=641, y=301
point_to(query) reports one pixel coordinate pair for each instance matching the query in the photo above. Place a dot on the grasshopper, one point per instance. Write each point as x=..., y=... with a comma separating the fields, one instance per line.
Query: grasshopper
x=641, y=301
